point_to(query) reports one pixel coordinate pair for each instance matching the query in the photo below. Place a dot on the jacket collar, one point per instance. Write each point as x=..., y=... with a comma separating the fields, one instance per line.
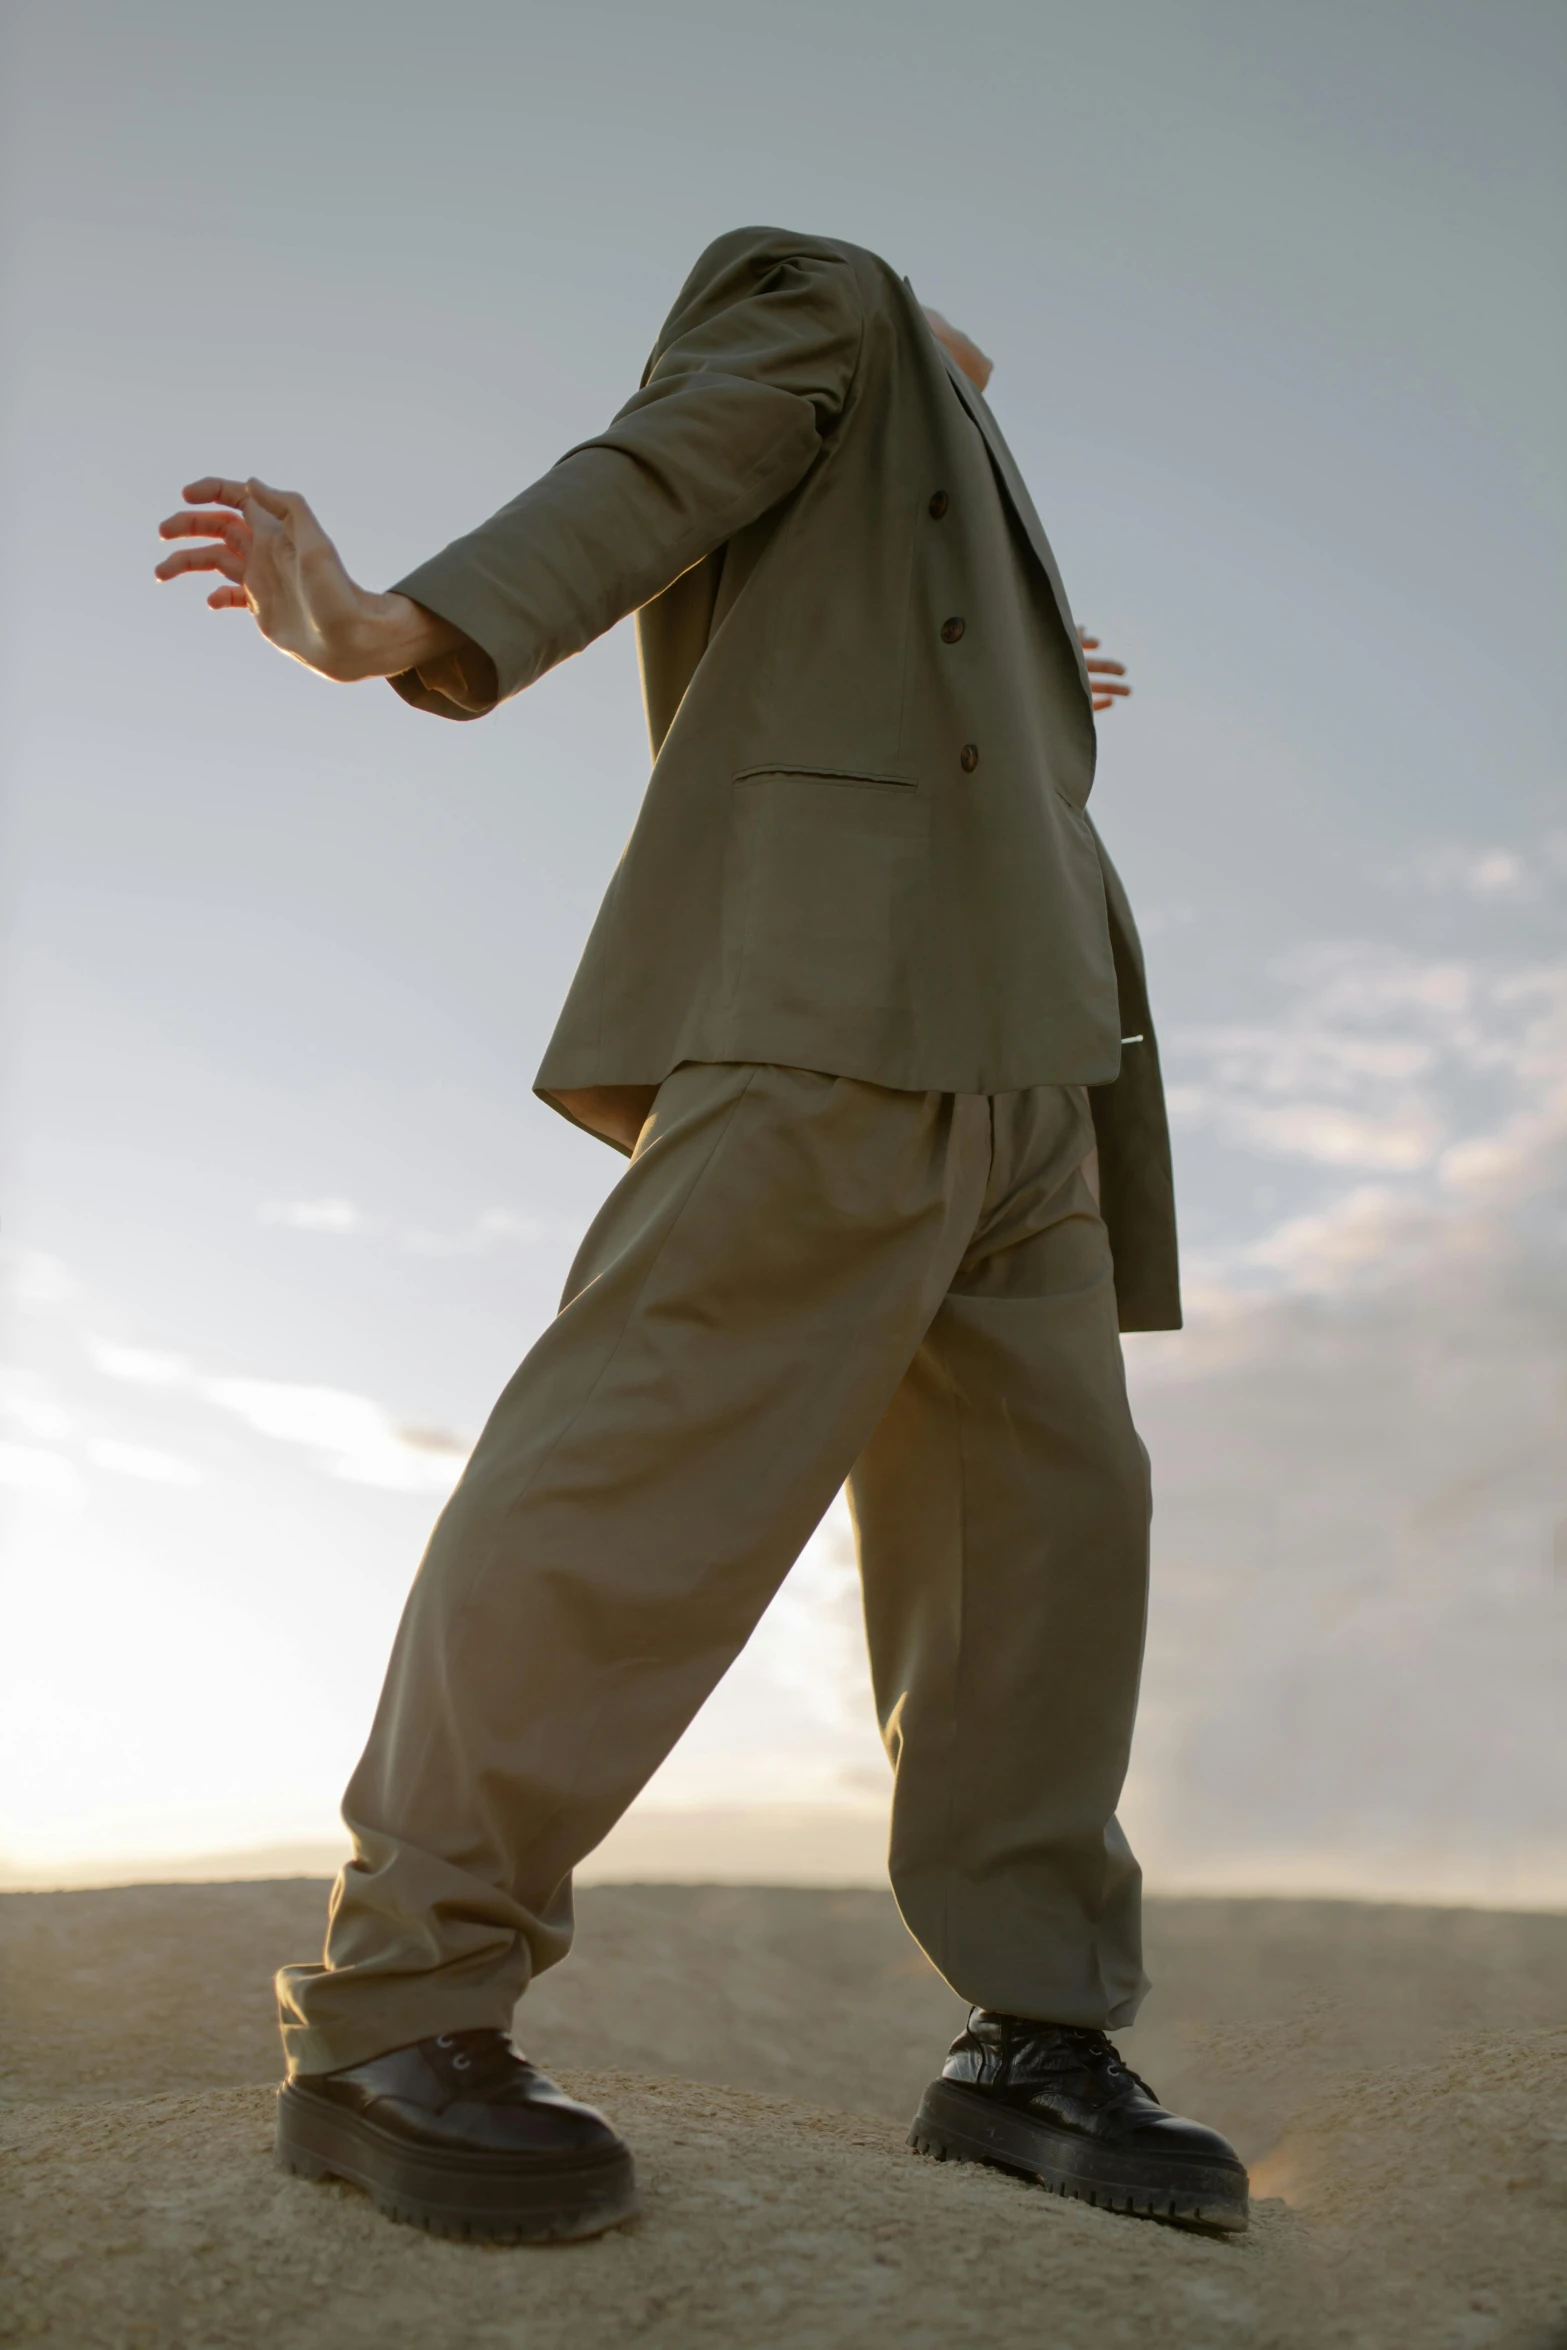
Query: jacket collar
x=1022, y=504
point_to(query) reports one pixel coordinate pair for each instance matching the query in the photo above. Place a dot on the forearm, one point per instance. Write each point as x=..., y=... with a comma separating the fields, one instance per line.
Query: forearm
x=612, y=524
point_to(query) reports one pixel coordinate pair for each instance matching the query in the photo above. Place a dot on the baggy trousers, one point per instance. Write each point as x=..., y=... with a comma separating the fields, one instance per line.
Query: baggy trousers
x=800, y=1278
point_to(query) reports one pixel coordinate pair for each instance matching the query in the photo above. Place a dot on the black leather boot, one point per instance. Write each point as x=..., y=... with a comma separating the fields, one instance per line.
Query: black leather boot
x=1055, y=2102
x=460, y=2135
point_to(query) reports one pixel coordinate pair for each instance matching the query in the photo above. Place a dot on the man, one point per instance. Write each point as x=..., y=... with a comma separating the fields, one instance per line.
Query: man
x=859, y=967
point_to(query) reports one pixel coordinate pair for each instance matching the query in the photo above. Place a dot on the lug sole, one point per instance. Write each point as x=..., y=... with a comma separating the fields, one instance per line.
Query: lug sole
x=958, y=2124
x=463, y=2195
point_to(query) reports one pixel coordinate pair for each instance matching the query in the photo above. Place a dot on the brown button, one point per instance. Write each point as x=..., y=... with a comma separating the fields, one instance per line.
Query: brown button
x=939, y=504
x=952, y=629
x=968, y=758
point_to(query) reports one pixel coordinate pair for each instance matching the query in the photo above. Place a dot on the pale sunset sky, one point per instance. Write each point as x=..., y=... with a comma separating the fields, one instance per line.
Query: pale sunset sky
x=1276, y=301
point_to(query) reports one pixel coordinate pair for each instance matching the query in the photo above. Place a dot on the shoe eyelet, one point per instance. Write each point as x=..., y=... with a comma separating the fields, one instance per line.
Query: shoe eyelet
x=460, y=2064
x=443, y=2039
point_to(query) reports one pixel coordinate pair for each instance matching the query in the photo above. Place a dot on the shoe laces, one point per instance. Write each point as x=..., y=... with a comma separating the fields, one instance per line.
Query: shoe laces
x=483, y=2059
x=1098, y=2051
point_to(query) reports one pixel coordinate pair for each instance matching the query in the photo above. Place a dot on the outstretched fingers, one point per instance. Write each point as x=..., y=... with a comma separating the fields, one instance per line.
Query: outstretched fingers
x=215, y=488
x=219, y=489
x=203, y=522
x=1102, y=675
x=229, y=560
x=228, y=517
x=228, y=535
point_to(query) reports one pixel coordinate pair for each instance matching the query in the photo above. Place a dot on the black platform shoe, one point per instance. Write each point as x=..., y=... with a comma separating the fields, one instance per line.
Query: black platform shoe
x=1056, y=2102
x=460, y=2135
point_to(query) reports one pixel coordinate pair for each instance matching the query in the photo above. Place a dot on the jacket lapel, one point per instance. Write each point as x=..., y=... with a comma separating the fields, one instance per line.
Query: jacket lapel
x=1022, y=504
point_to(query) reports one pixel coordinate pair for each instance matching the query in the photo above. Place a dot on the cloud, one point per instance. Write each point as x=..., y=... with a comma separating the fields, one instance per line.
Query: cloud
x=486, y=1230
x=40, y=1475
x=1473, y=1193
x=1513, y=1163
x=1332, y=1136
x=1388, y=1064
x=1357, y=1642
x=356, y=1437
x=353, y=1436
x=490, y=1229
x=314, y=1215
x=34, y=1279
x=144, y=1366
x=1356, y=1646
x=144, y=1461
x=1372, y=1230
x=444, y=1442
x=1485, y=871
x=27, y=1403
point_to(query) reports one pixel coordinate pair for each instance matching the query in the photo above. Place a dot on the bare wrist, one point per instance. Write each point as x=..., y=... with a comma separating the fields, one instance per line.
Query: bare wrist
x=393, y=634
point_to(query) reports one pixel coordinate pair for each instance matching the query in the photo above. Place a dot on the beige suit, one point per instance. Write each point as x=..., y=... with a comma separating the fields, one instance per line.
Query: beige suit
x=857, y=997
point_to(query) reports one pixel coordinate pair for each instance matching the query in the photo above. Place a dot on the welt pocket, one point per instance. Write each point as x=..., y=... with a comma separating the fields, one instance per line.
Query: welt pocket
x=853, y=777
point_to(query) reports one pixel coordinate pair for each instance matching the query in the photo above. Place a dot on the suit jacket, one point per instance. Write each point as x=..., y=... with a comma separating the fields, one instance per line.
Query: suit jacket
x=864, y=846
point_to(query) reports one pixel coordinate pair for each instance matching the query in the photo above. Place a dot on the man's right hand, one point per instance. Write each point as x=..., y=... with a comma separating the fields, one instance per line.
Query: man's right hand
x=278, y=563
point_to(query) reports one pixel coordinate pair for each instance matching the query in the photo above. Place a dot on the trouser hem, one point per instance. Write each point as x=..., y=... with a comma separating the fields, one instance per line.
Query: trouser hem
x=379, y=2024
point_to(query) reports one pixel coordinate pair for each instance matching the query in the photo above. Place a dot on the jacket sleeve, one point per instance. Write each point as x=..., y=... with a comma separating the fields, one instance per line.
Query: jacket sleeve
x=748, y=377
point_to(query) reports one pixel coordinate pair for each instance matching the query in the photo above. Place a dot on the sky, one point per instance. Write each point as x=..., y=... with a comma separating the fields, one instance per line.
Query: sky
x=1275, y=298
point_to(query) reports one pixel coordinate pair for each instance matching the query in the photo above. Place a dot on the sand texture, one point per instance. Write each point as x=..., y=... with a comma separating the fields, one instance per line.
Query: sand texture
x=1396, y=2076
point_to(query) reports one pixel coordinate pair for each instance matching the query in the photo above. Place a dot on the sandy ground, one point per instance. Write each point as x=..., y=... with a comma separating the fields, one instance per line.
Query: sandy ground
x=1396, y=2076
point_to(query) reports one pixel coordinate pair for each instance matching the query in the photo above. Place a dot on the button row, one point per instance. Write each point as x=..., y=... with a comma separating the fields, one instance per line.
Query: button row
x=951, y=631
